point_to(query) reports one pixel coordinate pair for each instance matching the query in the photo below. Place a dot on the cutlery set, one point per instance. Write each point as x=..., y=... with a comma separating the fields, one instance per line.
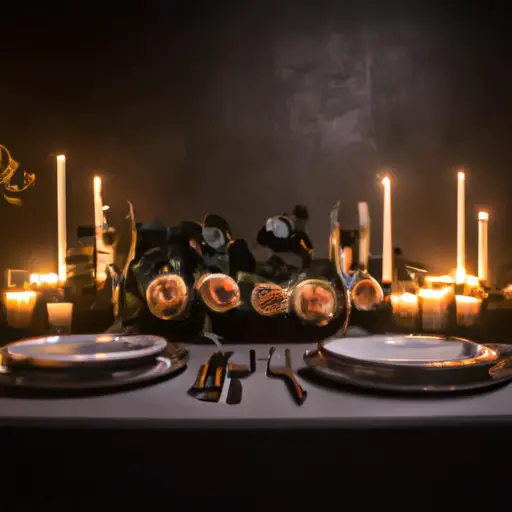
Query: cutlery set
x=285, y=372
x=220, y=379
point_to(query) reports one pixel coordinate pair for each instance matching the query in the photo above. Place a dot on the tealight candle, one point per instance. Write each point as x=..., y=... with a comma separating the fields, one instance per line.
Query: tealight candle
x=405, y=310
x=19, y=307
x=468, y=309
x=60, y=315
x=434, y=308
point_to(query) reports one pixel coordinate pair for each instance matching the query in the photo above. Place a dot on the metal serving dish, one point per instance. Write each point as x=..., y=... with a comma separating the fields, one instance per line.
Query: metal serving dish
x=411, y=363
x=86, y=352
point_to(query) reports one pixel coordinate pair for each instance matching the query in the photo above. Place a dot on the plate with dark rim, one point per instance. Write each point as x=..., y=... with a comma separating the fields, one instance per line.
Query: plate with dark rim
x=171, y=362
x=411, y=363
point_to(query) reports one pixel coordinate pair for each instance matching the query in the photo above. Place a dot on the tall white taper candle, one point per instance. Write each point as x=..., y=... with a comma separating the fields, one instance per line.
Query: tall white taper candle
x=387, y=241
x=364, y=234
x=461, y=225
x=483, y=247
x=61, y=217
x=98, y=230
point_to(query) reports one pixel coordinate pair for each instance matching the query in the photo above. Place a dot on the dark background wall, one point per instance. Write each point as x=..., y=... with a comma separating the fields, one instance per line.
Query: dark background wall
x=248, y=110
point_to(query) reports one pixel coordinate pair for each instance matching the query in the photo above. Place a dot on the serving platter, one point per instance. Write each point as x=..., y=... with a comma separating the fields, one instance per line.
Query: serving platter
x=411, y=363
x=101, y=351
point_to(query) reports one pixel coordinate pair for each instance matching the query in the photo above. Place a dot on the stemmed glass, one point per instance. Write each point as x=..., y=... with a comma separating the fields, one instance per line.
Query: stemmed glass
x=60, y=315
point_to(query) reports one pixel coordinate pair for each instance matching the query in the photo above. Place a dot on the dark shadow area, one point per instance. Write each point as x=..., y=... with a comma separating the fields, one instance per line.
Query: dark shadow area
x=342, y=464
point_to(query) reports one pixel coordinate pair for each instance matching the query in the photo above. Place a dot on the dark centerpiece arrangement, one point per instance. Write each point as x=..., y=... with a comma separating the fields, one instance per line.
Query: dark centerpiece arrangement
x=177, y=280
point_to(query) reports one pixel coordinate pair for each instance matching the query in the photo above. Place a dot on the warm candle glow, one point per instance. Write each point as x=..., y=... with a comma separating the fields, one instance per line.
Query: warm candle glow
x=387, y=241
x=434, y=307
x=472, y=281
x=468, y=309
x=408, y=298
x=461, y=226
x=429, y=293
x=60, y=315
x=483, y=246
x=440, y=279
x=61, y=217
x=364, y=234
x=104, y=338
x=19, y=308
x=460, y=276
x=38, y=280
x=20, y=297
x=103, y=253
x=98, y=208
x=405, y=309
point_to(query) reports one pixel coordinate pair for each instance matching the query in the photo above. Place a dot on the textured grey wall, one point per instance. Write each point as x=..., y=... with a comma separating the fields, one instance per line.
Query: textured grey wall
x=248, y=110
x=309, y=112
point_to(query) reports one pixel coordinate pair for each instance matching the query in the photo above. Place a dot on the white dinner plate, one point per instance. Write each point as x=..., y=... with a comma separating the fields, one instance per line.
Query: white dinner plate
x=412, y=363
x=24, y=382
x=84, y=351
x=404, y=349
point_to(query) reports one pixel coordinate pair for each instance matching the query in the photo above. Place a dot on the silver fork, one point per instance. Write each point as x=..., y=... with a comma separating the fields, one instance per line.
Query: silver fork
x=286, y=372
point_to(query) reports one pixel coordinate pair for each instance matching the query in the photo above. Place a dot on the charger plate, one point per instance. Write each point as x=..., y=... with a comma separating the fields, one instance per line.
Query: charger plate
x=101, y=351
x=166, y=365
x=412, y=363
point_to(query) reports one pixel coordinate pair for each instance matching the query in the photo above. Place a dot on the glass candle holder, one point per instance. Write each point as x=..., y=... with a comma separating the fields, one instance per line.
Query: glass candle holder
x=60, y=315
x=19, y=307
x=405, y=310
x=468, y=310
